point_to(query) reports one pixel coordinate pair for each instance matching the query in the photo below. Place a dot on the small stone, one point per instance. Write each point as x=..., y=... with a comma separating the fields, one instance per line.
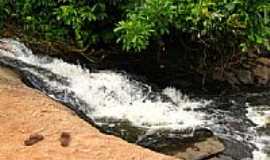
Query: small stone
x=65, y=139
x=33, y=139
x=187, y=109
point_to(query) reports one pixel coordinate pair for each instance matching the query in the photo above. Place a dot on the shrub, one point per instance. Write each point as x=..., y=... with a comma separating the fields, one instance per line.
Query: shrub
x=246, y=19
x=79, y=16
x=136, y=24
x=64, y=20
x=152, y=18
x=4, y=11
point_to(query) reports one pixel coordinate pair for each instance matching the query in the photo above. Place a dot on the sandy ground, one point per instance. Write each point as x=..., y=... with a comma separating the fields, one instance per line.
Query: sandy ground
x=24, y=112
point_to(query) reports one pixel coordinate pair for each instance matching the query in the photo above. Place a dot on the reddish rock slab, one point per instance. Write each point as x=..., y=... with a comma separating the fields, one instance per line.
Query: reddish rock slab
x=25, y=112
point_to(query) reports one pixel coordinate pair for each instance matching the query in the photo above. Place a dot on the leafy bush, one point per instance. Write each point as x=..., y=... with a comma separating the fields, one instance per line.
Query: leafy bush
x=36, y=18
x=83, y=21
x=152, y=18
x=136, y=24
x=4, y=11
x=246, y=19
x=79, y=17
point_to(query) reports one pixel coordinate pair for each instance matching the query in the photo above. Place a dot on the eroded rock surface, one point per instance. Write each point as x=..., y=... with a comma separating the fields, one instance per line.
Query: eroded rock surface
x=24, y=112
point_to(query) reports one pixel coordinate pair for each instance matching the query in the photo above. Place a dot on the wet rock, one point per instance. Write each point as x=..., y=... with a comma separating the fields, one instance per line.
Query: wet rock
x=200, y=150
x=259, y=100
x=184, y=144
x=267, y=121
x=221, y=157
x=166, y=140
x=237, y=149
x=202, y=133
x=33, y=139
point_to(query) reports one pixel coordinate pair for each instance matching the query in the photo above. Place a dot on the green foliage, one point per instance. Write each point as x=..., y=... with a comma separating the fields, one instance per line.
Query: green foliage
x=79, y=17
x=4, y=11
x=63, y=19
x=135, y=24
x=36, y=17
x=152, y=18
x=247, y=20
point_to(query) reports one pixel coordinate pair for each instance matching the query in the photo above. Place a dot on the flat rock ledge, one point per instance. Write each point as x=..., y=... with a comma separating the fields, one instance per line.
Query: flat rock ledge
x=57, y=132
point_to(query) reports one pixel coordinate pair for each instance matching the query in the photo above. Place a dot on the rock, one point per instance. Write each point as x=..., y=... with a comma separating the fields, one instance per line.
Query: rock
x=235, y=149
x=200, y=150
x=267, y=120
x=245, y=76
x=33, y=139
x=231, y=78
x=262, y=74
x=65, y=139
x=8, y=76
x=254, y=70
x=24, y=111
x=221, y=157
x=202, y=144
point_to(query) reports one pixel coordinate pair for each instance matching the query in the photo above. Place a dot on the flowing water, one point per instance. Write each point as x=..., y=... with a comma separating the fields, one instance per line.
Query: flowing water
x=117, y=104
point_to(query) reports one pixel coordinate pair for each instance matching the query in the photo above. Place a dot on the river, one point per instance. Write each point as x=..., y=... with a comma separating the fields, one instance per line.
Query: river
x=118, y=104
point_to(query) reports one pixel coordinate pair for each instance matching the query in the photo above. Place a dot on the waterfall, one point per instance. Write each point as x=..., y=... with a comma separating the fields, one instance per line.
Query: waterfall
x=104, y=94
x=118, y=104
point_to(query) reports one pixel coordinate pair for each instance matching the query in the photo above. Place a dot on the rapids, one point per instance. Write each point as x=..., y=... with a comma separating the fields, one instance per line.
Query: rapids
x=117, y=104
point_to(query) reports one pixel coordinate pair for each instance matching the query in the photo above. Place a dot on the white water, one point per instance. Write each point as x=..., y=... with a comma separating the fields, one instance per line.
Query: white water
x=260, y=115
x=112, y=95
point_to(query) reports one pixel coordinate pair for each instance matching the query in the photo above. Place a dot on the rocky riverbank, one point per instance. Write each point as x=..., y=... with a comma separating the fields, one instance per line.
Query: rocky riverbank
x=36, y=127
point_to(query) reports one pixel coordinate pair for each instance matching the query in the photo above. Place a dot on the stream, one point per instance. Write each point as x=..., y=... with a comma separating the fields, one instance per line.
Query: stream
x=159, y=119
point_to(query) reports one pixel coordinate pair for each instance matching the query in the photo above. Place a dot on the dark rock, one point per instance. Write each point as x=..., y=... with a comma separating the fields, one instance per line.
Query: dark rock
x=200, y=150
x=65, y=139
x=237, y=150
x=245, y=76
x=33, y=139
x=264, y=53
x=222, y=157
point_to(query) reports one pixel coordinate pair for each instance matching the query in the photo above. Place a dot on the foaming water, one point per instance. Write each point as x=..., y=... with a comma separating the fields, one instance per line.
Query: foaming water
x=111, y=95
x=260, y=115
x=135, y=111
